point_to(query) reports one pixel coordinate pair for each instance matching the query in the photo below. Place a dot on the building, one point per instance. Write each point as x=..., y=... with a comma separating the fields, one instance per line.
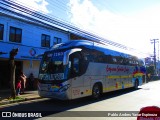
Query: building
x=31, y=39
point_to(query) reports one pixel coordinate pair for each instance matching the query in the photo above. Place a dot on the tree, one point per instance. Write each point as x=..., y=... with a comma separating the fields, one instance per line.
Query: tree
x=12, y=68
x=150, y=70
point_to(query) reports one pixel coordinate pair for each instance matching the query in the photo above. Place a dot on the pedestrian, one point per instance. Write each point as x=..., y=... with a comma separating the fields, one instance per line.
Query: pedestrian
x=18, y=87
x=31, y=81
x=23, y=82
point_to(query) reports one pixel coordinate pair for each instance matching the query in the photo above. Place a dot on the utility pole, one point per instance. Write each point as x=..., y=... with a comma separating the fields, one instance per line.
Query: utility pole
x=154, y=41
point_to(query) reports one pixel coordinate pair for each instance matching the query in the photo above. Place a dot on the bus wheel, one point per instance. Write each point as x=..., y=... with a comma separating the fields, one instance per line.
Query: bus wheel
x=136, y=84
x=96, y=91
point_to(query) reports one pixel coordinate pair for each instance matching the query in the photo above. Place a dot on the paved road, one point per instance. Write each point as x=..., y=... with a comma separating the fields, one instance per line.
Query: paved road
x=129, y=100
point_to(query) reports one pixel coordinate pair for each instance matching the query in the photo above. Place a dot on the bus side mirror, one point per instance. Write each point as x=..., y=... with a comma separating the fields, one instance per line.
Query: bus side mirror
x=67, y=53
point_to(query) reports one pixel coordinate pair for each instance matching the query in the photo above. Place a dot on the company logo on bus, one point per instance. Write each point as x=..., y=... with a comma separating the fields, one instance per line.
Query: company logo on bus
x=117, y=69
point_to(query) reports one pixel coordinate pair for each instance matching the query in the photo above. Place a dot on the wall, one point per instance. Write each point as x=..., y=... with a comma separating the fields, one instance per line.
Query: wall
x=31, y=67
x=31, y=33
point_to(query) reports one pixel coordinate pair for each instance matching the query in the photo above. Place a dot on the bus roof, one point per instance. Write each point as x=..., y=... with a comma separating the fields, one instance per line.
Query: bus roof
x=91, y=45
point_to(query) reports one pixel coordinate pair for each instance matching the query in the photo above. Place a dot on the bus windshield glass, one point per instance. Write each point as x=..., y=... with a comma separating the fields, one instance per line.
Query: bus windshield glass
x=45, y=62
x=56, y=65
x=52, y=66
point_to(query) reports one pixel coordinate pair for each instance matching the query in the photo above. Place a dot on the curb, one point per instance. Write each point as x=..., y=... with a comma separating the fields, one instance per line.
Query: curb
x=17, y=101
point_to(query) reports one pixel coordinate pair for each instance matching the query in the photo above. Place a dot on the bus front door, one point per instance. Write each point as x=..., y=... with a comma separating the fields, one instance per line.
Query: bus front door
x=76, y=78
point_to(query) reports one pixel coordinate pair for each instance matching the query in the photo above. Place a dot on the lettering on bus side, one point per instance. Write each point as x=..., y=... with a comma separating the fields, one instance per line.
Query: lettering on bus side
x=116, y=69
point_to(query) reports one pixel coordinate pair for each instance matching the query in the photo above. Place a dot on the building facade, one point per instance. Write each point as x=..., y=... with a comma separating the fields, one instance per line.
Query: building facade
x=32, y=40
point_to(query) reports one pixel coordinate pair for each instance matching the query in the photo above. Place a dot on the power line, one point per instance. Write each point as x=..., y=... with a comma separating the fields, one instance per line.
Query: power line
x=60, y=6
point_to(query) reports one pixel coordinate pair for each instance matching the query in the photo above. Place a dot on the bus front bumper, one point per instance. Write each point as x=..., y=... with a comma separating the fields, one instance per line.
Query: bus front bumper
x=54, y=95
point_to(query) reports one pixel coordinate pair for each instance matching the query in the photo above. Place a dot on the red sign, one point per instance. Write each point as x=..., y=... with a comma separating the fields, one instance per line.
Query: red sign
x=149, y=113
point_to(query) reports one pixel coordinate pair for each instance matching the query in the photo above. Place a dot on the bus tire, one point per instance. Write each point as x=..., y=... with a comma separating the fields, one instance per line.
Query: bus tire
x=136, y=84
x=96, y=91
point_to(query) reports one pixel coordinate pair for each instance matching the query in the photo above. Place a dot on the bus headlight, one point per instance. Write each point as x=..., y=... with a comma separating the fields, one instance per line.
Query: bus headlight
x=64, y=88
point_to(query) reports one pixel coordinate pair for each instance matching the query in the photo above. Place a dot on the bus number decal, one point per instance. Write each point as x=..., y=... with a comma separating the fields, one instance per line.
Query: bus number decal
x=58, y=54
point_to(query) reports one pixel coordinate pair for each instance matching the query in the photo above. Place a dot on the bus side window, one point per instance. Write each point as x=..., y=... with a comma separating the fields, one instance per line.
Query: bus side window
x=108, y=59
x=87, y=55
x=114, y=60
x=125, y=61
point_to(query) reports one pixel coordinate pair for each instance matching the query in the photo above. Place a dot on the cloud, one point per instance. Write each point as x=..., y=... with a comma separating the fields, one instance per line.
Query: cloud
x=134, y=31
x=38, y=5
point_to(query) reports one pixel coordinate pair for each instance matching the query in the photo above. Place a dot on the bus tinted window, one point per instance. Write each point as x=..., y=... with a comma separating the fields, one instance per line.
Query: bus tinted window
x=45, y=62
x=87, y=54
x=108, y=59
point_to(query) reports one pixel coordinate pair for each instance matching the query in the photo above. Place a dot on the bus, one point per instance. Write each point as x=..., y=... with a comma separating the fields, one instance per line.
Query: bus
x=81, y=68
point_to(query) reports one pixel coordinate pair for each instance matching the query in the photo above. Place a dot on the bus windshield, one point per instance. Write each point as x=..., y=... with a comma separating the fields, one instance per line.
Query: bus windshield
x=52, y=67
x=45, y=62
x=56, y=66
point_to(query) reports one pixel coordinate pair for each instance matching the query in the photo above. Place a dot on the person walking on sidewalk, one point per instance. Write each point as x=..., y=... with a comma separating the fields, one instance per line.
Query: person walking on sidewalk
x=31, y=81
x=23, y=82
x=18, y=87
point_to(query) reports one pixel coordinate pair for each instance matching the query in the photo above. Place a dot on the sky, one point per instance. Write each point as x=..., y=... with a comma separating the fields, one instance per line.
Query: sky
x=130, y=22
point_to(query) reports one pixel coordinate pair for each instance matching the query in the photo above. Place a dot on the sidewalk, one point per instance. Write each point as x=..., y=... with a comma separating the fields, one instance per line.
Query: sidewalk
x=28, y=95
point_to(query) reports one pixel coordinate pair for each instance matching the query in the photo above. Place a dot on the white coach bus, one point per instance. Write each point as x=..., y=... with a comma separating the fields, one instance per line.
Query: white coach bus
x=82, y=68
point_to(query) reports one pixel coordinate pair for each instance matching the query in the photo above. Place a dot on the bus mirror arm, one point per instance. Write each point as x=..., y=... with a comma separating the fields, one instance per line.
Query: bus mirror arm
x=67, y=53
x=65, y=60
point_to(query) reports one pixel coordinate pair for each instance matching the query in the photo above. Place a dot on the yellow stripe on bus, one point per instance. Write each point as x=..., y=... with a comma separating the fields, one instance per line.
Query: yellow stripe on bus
x=117, y=77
